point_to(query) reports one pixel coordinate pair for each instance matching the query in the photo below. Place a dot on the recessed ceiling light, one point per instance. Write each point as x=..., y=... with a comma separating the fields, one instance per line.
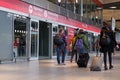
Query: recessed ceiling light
x=59, y=1
x=96, y=17
x=76, y=1
x=113, y=7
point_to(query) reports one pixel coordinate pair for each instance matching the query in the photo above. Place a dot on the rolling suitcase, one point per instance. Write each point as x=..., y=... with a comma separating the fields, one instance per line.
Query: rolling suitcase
x=83, y=60
x=96, y=63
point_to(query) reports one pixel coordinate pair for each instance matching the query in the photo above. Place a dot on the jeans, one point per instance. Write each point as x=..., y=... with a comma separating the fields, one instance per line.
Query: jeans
x=74, y=52
x=61, y=48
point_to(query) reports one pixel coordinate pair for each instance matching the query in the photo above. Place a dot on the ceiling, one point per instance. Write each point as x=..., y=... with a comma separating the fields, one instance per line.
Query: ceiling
x=108, y=12
x=109, y=1
x=108, y=5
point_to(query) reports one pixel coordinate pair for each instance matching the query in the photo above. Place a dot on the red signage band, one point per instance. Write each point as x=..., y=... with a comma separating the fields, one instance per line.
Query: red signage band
x=20, y=6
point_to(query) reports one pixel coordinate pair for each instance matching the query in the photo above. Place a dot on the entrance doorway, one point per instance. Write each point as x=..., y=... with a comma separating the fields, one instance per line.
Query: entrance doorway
x=20, y=33
x=44, y=39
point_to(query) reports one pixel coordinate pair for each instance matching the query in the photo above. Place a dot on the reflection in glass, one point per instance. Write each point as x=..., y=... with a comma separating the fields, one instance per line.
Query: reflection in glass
x=34, y=38
x=19, y=37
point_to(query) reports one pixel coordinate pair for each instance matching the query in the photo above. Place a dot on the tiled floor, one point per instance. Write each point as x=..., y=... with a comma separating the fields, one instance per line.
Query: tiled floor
x=49, y=70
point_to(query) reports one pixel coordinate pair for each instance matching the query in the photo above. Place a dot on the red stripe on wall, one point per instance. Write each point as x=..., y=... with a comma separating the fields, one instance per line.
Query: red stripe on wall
x=20, y=6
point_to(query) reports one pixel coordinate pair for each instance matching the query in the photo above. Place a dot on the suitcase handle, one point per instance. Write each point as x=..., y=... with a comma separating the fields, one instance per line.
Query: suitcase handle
x=97, y=55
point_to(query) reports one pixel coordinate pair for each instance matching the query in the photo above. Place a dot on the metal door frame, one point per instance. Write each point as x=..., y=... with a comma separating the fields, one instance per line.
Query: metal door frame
x=52, y=43
x=34, y=58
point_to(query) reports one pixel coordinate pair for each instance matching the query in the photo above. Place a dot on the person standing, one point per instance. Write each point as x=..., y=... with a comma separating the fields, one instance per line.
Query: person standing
x=107, y=44
x=74, y=51
x=22, y=46
x=60, y=43
x=82, y=35
x=82, y=49
x=15, y=49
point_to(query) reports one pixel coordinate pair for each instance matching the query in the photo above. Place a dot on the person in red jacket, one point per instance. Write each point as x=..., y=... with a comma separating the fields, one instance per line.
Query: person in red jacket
x=15, y=49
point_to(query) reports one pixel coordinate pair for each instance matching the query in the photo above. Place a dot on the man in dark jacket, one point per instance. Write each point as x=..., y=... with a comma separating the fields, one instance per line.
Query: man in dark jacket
x=107, y=49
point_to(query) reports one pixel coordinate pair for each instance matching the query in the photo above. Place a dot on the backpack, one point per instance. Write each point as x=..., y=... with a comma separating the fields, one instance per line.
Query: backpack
x=105, y=40
x=79, y=43
x=58, y=40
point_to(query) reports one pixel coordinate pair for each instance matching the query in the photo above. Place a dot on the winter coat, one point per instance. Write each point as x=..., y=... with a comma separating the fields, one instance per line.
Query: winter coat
x=111, y=46
x=73, y=42
x=85, y=42
x=63, y=38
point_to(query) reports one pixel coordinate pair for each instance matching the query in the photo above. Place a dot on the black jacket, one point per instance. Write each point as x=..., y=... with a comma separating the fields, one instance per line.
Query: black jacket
x=111, y=46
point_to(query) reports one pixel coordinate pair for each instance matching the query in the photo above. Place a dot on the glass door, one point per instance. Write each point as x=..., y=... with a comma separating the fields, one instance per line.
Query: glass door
x=34, y=32
x=54, y=32
x=44, y=40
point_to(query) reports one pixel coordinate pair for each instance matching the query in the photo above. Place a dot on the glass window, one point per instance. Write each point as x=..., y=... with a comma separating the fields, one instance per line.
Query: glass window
x=34, y=39
x=78, y=7
x=92, y=11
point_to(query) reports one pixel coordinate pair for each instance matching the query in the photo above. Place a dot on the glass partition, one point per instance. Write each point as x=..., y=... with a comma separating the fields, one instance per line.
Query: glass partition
x=90, y=12
x=34, y=38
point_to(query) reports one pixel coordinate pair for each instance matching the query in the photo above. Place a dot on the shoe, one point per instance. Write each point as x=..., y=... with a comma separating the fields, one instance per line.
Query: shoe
x=110, y=67
x=106, y=68
x=58, y=63
x=63, y=64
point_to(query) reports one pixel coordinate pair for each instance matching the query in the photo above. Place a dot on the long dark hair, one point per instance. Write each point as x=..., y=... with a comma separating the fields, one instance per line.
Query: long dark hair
x=81, y=31
x=107, y=25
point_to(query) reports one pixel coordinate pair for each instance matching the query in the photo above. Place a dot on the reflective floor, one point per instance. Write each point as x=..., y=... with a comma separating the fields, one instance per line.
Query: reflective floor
x=49, y=70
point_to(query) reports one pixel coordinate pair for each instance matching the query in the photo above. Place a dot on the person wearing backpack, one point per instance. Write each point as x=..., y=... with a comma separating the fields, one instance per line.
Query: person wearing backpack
x=60, y=43
x=74, y=51
x=82, y=48
x=107, y=44
x=81, y=42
